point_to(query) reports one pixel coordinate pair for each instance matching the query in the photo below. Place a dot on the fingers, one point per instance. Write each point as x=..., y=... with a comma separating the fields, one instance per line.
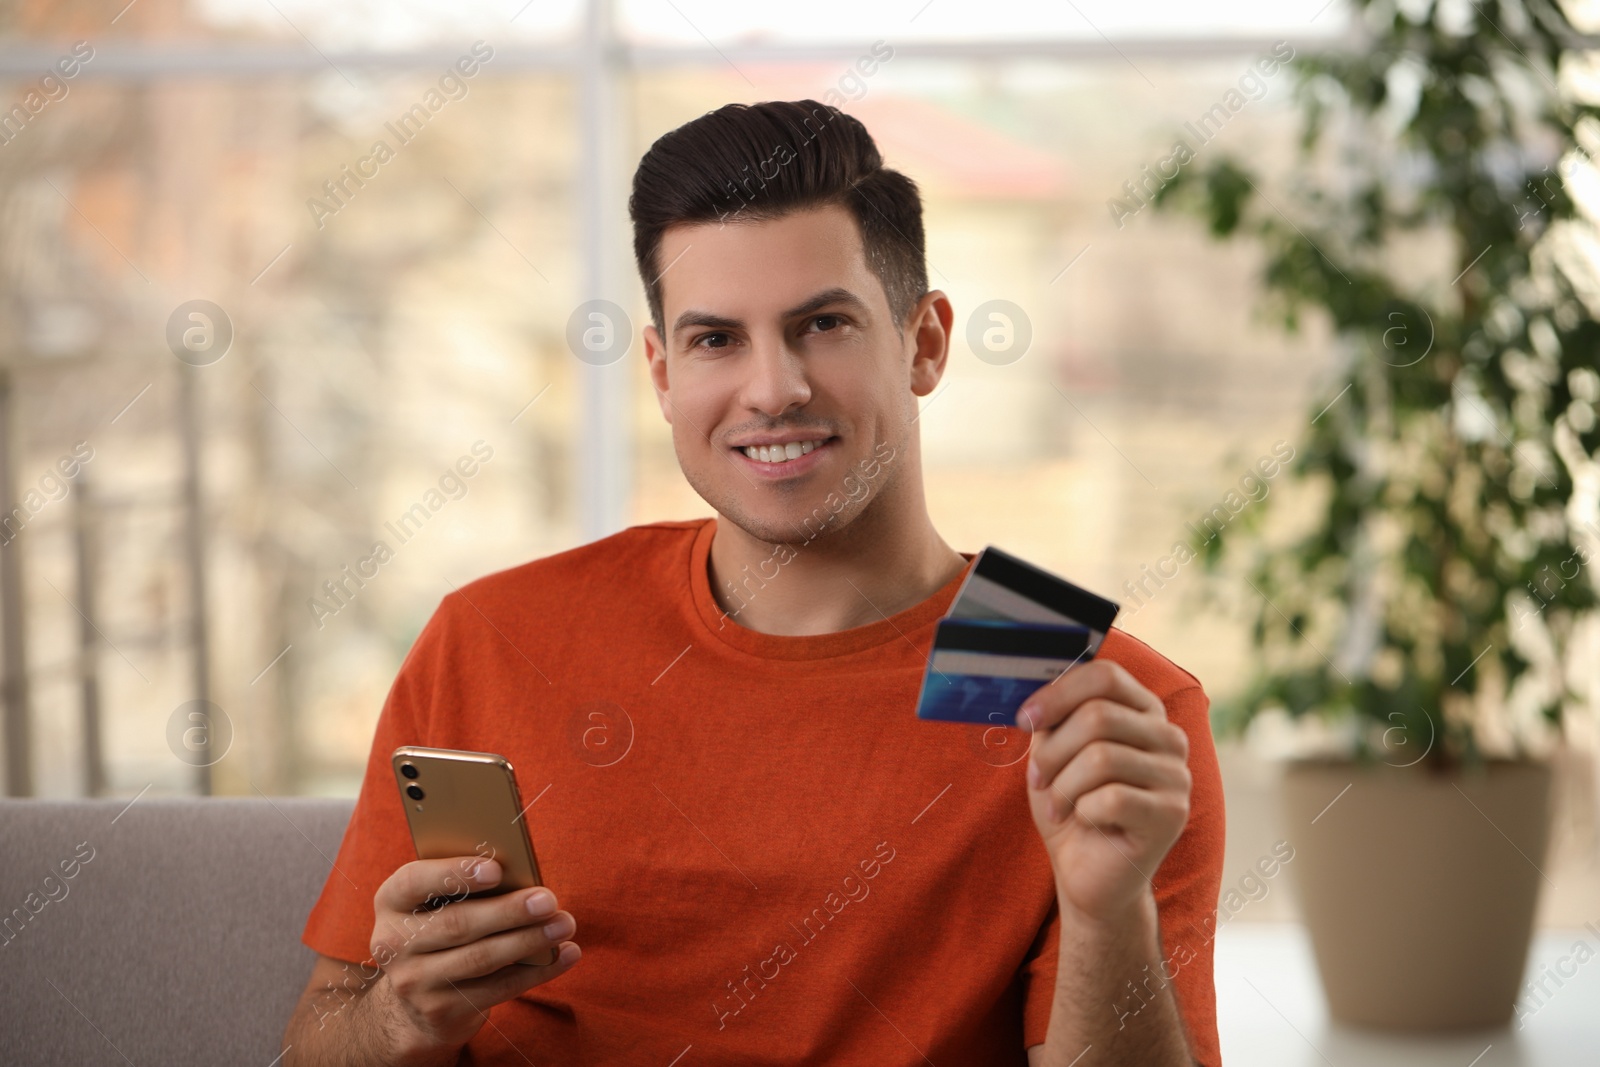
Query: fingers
x=419, y=881
x=450, y=1003
x=1103, y=748
x=483, y=993
x=1118, y=806
x=1101, y=764
x=1104, y=720
x=446, y=965
x=486, y=955
x=459, y=922
x=1104, y=678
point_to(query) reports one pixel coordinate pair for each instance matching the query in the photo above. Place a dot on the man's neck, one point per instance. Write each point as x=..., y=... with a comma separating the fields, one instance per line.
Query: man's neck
x=867, y=571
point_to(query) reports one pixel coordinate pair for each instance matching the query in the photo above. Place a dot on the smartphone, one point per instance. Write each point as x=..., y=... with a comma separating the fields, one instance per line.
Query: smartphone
x=461, y=803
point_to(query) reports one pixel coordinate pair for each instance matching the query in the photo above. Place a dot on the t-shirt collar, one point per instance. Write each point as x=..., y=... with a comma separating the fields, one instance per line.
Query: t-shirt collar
x=715, y=625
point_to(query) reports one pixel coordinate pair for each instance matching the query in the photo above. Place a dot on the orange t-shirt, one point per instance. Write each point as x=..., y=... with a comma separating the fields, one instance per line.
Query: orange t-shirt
x=771, y=859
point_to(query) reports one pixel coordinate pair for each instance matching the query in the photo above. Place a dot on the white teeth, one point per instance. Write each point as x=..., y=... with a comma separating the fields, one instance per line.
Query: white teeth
x=781, y=453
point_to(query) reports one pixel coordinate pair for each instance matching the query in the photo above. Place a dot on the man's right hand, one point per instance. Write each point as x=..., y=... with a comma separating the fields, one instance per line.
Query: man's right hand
x=444, y=968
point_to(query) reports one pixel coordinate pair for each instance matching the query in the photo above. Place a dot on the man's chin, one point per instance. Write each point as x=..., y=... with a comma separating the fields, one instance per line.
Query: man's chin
x=784, y=514
x=788, y=525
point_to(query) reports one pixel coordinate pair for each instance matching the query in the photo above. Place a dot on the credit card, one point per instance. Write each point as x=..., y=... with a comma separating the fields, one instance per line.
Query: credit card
x=1011, y=629
x=981, y=670
x=1001, y=586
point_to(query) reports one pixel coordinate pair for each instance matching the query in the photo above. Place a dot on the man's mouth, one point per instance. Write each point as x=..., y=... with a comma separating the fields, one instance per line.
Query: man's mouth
x=784, y=453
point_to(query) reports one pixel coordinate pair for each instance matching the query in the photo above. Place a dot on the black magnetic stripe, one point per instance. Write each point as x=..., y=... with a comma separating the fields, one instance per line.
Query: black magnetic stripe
x=1010, y=639
x=1045, y=588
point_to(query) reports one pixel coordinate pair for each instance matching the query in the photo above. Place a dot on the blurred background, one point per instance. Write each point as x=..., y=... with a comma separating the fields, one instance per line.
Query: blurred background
x=371, y=316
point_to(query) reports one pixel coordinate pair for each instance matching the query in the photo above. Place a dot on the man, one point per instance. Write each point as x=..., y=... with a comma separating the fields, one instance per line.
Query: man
x=765, y=856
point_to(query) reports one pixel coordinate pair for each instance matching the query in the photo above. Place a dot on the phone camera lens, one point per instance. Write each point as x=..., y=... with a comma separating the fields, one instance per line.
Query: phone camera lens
x=414, y=792
x=408, y=769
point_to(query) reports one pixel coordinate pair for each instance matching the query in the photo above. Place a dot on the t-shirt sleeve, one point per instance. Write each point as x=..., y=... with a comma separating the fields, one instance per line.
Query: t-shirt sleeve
x=1186, y=888
x=377, y=840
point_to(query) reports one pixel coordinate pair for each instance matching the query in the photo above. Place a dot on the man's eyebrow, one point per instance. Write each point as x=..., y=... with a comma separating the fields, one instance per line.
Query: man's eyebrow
x=836, y=295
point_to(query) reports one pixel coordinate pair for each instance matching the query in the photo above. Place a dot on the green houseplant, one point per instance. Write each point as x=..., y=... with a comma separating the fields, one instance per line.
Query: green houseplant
x=1430, y=603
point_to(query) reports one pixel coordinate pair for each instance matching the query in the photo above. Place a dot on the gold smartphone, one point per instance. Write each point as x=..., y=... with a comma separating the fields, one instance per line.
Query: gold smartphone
x=462, y=803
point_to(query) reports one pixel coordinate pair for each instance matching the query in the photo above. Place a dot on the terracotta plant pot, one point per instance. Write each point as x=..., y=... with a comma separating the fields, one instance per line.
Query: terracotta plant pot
x=1419, y=888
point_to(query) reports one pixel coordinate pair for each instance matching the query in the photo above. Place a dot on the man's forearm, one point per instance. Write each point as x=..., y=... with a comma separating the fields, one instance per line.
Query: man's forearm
x=1113, y=1004
x=361, y=1033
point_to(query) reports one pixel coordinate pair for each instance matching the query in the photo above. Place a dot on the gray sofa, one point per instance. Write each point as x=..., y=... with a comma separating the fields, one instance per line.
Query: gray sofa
x=164, y=932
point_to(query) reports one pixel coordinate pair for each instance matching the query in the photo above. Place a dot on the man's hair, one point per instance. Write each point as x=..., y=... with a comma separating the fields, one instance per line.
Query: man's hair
x=757, y=162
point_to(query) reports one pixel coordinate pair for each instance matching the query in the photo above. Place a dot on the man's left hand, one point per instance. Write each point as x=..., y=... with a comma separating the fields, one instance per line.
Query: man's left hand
x=1108, y=783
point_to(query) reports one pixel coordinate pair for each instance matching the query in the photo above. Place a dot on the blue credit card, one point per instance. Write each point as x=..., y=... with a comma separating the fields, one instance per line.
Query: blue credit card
x=981, y=670
x=1011, y=629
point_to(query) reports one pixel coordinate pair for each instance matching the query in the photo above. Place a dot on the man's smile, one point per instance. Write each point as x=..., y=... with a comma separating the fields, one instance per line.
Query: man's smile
x=784, y=456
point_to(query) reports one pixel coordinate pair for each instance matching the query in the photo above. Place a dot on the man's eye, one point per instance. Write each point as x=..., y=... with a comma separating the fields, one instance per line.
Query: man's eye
x=827, y=321
x=704, y=341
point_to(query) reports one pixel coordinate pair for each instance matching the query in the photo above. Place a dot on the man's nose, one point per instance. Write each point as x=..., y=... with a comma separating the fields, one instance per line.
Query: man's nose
x=777, y=376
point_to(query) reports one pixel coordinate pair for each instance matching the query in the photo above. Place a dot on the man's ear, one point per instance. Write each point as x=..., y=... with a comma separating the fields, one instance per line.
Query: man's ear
x=928, y=338
x=655, y=354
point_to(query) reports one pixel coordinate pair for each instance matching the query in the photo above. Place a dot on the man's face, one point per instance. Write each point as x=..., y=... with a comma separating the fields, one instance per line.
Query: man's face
x=779, y=336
